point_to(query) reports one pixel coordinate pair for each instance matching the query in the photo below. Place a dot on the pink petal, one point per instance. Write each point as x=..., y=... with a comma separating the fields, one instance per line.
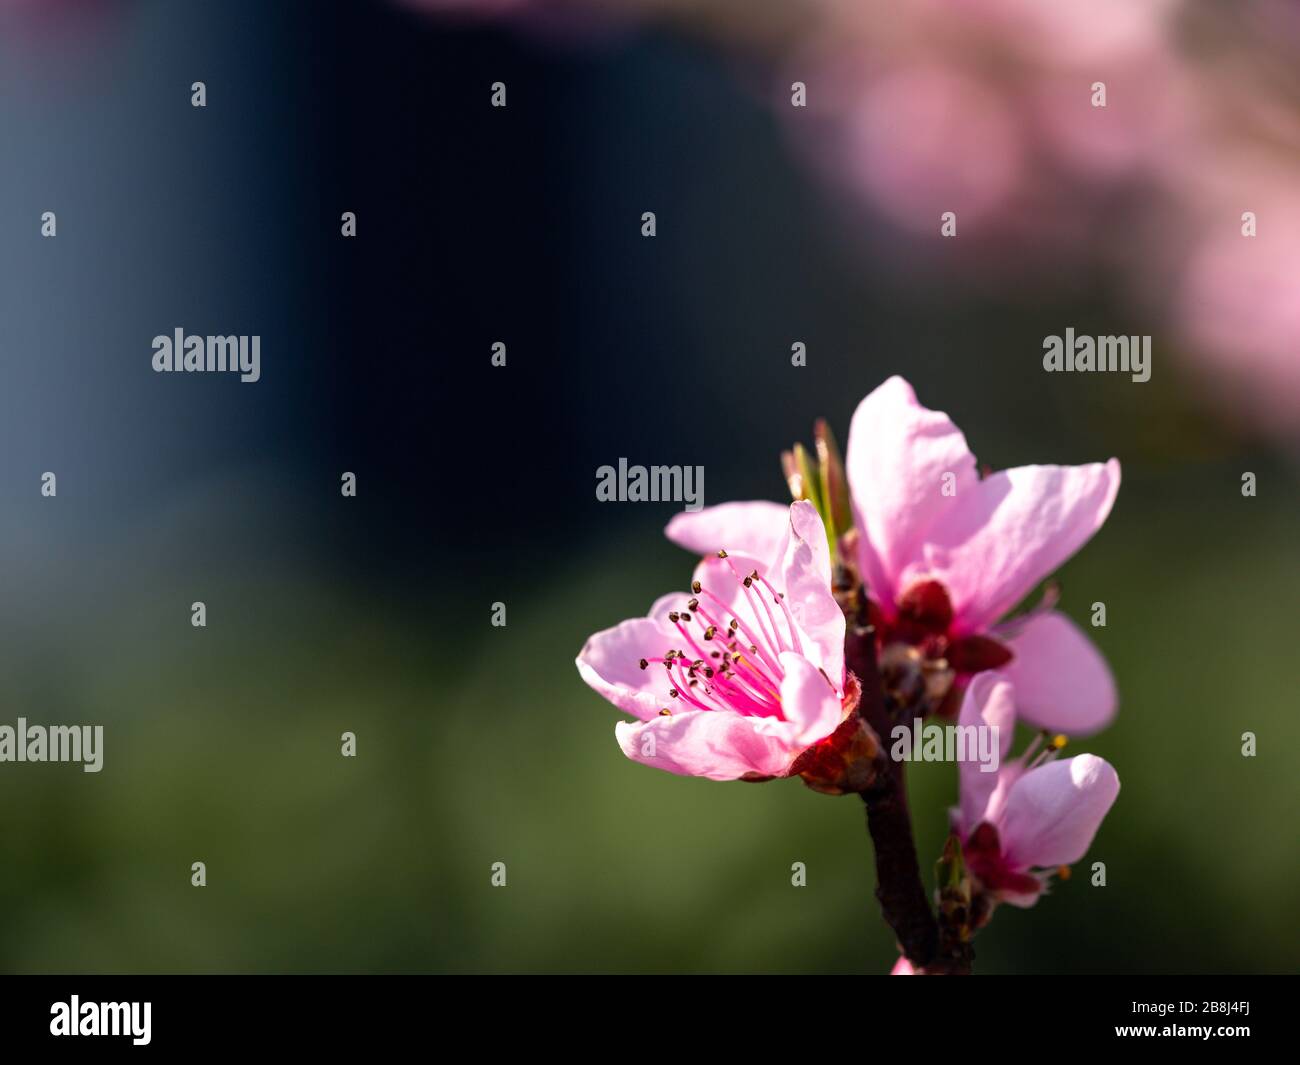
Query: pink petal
x=1022, y=899
x=989, y=702
x=897, y=455
x=1053, y=811
x=610, y=660
x=1009, y=531
x=755, y=529
x=712, y=744
x=808, y=701
x=902, y=967
x=806, y=582
x=1062, y=682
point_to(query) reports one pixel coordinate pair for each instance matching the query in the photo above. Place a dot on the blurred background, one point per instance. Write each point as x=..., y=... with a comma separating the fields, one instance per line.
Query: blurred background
x=476, y=484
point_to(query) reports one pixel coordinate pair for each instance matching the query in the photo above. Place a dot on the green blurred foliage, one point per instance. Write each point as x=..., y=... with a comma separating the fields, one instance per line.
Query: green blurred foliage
x=480, y=744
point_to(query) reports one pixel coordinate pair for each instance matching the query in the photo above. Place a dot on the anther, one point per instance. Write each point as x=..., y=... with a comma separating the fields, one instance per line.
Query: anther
x=644, y=663
x=695, y=587
x=710, y=632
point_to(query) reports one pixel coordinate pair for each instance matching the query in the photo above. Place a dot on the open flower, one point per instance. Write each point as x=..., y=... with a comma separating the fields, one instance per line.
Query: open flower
x=739, y=677
x=1035, y=814
x=945, y=553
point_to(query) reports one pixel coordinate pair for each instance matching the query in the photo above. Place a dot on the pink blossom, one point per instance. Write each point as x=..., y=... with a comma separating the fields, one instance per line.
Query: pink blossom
x=926, y=135
x=1034, y=813
x=945, y=554
x=1240, y=305
x=740, y=676
x=902, y=967
x=983, y=107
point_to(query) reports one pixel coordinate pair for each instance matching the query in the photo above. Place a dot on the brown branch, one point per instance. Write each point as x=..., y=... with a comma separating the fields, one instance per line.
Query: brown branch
x=899, y=887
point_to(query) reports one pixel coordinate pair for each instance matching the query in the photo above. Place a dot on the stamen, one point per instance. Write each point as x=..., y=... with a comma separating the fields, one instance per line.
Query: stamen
x=779, y=599
x=750, y=596
x=744, y=663
x=730, y=697
x=713, y=623
x=690, y=639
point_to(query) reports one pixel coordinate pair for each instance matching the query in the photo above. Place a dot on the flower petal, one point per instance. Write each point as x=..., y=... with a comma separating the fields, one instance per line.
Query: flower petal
x=1009, y=531
x=902, y=967
x=1053, y=811
x=755, y=529
x=897, y=455
x=1062, y=681
x=989, y=703
x=610, y=660
x=710, y=743
x=808, y=701
x=806, y=581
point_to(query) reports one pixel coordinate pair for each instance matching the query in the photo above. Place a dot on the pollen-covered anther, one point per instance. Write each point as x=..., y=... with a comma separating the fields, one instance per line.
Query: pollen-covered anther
x=710, y=632
x=644, y=663
x=1059, y=741
x=695, y=587
x=722, y=554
